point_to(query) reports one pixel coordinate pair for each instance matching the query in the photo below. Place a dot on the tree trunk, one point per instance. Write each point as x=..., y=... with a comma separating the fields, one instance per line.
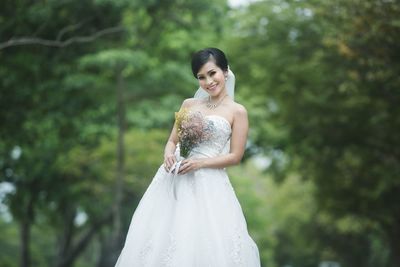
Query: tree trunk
x=108, y=252
x=79, y=247
x=65, y=240
x=394, y=240
x=25, y=231
x=25, y=239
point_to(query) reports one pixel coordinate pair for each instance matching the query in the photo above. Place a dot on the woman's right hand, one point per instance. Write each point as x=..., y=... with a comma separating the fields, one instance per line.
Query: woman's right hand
x=169, y=161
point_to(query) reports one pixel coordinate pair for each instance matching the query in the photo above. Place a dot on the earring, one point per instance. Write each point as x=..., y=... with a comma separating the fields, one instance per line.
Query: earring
x=226, y=78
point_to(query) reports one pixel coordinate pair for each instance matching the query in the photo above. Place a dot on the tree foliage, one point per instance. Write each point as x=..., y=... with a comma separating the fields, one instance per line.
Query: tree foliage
x=58, y=102
x=324, y=82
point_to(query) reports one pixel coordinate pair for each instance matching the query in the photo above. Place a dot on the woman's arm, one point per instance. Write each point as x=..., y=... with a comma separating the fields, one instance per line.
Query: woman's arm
x=240, y=128
x=171, y=143
x=170, y=146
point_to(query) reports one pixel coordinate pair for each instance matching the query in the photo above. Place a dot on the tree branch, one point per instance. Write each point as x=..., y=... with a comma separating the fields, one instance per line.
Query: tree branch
x=82, y=243
x=58, y=43
x=67, y=29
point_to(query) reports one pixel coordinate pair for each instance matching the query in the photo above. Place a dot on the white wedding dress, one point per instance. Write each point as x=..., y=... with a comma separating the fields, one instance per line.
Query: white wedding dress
x=191, y=220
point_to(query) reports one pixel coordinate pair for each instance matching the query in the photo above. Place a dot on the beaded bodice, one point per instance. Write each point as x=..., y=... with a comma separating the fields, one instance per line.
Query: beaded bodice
x=217, y=143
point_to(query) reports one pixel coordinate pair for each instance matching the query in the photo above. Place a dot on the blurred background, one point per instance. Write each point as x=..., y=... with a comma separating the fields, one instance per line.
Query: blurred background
x=88, y=91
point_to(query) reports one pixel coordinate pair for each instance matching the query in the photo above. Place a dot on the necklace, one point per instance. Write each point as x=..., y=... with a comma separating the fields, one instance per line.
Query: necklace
x=211, y=105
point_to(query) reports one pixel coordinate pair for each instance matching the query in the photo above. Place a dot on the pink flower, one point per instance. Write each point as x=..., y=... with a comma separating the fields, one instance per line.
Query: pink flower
x=192, y=130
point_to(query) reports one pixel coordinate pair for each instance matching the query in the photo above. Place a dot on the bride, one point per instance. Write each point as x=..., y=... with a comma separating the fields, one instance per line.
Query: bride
x=189, y=215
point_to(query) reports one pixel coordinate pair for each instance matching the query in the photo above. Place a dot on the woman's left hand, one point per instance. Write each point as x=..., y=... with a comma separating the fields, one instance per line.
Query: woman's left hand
x=189, y=165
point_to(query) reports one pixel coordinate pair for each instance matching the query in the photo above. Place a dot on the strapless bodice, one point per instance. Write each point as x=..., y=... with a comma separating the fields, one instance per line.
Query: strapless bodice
x=219, y=132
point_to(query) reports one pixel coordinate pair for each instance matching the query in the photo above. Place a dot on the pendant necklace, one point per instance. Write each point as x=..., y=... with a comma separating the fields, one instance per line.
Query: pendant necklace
x=211, y=105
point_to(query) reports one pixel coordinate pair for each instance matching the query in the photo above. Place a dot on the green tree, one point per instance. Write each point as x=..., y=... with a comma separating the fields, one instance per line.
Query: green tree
x=322, y=79
x=57, y=102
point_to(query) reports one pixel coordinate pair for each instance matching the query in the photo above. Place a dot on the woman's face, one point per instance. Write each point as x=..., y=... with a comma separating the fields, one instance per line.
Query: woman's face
x=211, y=78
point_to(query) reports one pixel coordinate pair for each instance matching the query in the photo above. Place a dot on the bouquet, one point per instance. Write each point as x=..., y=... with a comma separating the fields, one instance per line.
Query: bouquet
x=192, y=130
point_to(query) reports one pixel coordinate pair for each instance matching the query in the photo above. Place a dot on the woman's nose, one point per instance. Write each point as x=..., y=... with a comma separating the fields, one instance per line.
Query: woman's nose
x=209, y=80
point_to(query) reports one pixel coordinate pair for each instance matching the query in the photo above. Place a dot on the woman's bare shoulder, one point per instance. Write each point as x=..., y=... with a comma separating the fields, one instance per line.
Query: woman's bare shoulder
x=190, y=102
x=238, y=109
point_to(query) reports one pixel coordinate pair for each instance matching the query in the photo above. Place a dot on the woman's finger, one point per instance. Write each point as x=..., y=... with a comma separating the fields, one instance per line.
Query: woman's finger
x=171, y=160
x=185, y=167
x=181, y=168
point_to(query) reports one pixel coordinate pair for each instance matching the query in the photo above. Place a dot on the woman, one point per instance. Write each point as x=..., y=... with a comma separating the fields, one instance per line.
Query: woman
x=189, y=215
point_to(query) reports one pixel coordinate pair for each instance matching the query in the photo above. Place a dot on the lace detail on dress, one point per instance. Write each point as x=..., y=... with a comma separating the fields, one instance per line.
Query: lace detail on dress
x=220, y=133
x=221, y=130
x=167, y=259
x=144, y=253
x=237, y=241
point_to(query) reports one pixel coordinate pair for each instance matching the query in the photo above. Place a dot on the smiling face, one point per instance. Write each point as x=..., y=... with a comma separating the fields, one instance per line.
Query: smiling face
x=212, y=78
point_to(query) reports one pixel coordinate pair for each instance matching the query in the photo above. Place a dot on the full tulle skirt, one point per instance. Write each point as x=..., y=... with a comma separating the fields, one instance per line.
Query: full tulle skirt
x=191, y=220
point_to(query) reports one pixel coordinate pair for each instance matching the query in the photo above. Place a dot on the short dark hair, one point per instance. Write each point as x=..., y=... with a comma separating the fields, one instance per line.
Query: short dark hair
x=203, y=56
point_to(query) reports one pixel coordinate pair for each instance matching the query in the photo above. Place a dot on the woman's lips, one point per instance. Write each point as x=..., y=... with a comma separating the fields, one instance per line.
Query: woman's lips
x=212, y=87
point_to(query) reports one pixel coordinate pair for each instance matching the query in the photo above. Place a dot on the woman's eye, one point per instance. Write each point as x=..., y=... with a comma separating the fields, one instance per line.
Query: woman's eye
x=212, y=73
x=200, y=78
